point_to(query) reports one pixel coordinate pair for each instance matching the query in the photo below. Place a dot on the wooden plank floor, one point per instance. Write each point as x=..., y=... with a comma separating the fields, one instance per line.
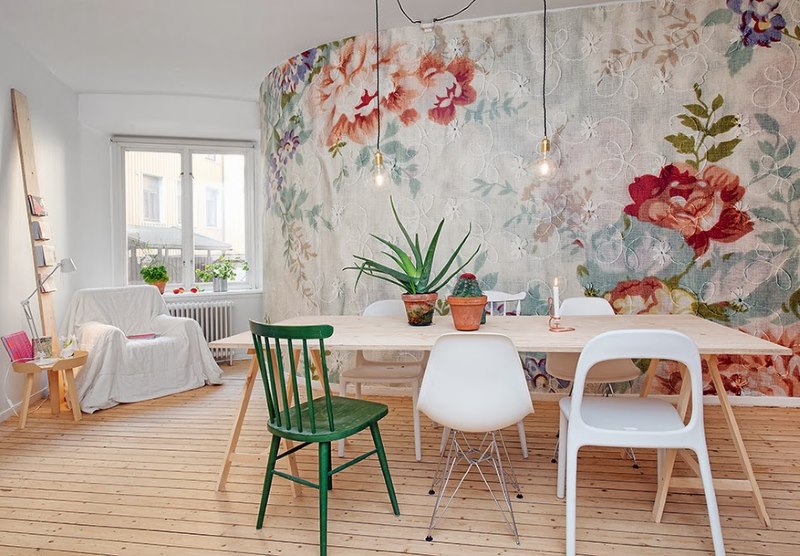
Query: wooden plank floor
x=139, y=479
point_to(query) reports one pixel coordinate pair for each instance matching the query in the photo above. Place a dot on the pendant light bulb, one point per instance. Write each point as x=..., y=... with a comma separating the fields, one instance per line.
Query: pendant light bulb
x=545, y=167
x=380, y=175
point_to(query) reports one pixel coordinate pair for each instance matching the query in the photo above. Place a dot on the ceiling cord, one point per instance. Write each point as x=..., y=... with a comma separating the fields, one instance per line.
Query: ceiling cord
x=378, y=69
x=435, y=19
x=544, y=66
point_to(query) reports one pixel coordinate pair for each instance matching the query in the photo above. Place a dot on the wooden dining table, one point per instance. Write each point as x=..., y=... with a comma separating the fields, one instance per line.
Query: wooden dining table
x=532, y=334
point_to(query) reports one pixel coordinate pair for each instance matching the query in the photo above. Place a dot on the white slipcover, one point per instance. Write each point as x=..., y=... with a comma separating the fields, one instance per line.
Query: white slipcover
x=121, y=370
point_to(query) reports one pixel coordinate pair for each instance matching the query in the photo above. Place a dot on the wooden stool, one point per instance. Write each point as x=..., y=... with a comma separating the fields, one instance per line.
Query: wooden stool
x=68, y=366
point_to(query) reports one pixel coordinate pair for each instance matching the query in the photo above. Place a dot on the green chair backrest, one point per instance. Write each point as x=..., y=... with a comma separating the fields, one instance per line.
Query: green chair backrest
x=268, y=341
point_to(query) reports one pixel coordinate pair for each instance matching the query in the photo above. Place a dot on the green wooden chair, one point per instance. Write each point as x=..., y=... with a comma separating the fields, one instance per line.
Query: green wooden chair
x=317, y=421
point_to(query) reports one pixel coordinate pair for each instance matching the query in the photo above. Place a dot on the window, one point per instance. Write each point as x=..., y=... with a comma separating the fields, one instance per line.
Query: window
x=151, y=193
x=212, y=207
x=184, y=205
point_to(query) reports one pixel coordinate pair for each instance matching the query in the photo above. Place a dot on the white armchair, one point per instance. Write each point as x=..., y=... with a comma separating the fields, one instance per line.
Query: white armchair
x=123, y=369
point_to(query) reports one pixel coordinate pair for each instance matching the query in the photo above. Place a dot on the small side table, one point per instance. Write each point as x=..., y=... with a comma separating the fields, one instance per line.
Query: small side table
x=68, y=366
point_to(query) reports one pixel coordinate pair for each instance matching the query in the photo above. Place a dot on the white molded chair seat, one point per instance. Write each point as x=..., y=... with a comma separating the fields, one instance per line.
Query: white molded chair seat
x=474, y=383
x=373, y=371
x=627, y=414
x=638, y=423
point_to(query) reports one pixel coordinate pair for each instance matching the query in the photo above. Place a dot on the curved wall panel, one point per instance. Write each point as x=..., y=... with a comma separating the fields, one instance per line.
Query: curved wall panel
x=672, y=197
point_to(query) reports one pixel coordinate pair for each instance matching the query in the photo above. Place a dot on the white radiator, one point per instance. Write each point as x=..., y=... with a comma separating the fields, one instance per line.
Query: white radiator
x=214, y=318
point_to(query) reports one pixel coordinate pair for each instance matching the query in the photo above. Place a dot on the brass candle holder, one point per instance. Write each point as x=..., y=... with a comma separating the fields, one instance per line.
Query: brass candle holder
x=554, y=324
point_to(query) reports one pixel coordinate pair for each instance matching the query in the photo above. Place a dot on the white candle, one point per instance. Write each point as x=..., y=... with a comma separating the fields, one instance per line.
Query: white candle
x=556, y=300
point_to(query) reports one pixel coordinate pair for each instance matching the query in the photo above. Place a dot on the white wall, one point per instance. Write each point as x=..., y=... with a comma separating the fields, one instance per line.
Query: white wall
x=56, y=138
x=105, y=115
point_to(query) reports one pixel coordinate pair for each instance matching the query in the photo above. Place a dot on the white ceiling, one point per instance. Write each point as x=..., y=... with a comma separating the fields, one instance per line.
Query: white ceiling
x=216, y=48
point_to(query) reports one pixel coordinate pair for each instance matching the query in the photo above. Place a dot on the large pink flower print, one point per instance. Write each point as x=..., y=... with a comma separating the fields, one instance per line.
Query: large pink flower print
x=446, y=86
x=702, y=207
x=345, y=94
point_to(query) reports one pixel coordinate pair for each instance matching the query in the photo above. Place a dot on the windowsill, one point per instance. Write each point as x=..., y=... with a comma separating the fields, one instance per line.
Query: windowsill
x=209, y=296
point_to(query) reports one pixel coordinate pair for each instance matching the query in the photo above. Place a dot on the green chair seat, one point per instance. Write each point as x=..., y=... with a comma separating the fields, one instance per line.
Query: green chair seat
x=351, y=416
x=320, y=421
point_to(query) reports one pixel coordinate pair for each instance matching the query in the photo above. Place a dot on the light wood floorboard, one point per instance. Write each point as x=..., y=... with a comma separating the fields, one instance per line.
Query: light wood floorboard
x=140, y=479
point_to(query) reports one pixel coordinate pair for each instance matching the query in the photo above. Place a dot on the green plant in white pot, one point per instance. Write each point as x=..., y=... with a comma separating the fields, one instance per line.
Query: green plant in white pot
x=220, y=271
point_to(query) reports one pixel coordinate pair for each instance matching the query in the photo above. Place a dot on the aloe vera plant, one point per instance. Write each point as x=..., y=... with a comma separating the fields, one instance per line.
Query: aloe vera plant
x=414, y=272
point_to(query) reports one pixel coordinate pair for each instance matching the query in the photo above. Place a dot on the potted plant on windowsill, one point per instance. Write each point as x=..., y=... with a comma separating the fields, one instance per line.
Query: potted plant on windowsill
x=414, y=272
x=220, y=271
x=467, y=303
x=155, y=275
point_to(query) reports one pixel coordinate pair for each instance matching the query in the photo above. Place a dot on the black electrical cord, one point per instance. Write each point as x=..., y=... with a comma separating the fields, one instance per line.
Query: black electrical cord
x=435, y=19
x=544, y=66
x=378, y=70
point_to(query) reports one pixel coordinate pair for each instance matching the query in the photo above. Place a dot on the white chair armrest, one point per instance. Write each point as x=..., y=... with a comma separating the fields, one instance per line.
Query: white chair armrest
x=91, y=332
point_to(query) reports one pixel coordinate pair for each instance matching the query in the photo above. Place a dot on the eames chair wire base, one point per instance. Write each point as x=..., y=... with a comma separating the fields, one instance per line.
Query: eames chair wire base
x=489, y=450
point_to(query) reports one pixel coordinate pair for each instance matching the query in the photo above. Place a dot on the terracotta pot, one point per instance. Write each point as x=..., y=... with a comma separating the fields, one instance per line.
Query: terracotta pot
x=160, y=286
x=420, y=307
x=467, y=311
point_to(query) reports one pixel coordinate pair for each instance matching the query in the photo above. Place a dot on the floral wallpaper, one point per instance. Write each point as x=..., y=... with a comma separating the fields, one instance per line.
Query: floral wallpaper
x=676, y=127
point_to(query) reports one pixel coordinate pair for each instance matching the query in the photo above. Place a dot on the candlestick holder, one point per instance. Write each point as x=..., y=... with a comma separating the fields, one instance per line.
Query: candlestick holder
x=554, y=324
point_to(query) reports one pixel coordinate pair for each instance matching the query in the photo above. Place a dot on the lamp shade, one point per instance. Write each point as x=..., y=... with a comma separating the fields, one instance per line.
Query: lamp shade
x=68, y=265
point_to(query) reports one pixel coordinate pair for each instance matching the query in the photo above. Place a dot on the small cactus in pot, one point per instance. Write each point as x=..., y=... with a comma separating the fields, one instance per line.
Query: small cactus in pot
x=467, y=303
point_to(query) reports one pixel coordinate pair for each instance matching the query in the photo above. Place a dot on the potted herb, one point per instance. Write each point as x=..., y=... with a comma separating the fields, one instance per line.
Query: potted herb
x=467, y=303
x=414, y=272
x=220, y=271
x=156, y=275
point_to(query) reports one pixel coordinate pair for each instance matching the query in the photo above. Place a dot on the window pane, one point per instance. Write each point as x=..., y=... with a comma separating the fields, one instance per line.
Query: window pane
x=153, y=213
x=219, y=211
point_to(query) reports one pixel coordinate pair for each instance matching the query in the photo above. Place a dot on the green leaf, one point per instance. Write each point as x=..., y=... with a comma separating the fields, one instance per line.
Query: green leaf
x=489, y=281
x=414, y=185
x=480, y=260
x=767, y=148
x=364, y=158
x=399, y=223
x=691, y=122
x=715, y=311
x=723, y=125
x=682, y=143
x=722, y=150
x=722, y=15
x=716, y=104
x=794, y=303
x=768, y=123
x=698, y=92
x=755, y=166
x=403, y=260
x=391, y=129
x=768, y=214
x=738, y=57
x=697, y=109
x=582, y=271
x=786, y=172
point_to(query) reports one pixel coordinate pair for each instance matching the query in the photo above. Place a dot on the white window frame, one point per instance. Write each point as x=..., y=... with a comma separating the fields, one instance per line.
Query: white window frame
x=186, y=148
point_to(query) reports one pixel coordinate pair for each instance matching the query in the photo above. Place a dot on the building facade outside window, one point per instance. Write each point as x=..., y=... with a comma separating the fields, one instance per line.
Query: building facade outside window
x=185, y=205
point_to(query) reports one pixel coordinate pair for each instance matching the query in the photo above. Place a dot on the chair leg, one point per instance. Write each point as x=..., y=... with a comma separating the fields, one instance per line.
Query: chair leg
x=376, y=438
x=563, y=431
x=273, y=456
x=330, y=467
x=26, y=400
x=358, y=390
x=415, y=411
x=443, y=443
x=342, y=393
x=72, y=392
x=711, y=501
x=571, y=463
x=523, y=441
x=324, y=485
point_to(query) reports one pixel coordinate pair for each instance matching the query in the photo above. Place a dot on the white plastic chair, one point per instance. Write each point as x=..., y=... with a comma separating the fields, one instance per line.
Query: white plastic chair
x=501, y=304
x=369, y=371
x=637, y=422
x=474, y=383
x=562, y=365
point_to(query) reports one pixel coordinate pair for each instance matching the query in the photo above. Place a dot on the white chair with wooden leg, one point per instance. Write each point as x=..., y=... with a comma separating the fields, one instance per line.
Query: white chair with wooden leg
x=501, y=304
x=638, y=422
x=562, y=365
x=370, y=371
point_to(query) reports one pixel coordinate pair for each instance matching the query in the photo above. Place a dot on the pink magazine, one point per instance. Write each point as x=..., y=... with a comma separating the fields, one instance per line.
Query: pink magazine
x=18, y=346
x=145, y=336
